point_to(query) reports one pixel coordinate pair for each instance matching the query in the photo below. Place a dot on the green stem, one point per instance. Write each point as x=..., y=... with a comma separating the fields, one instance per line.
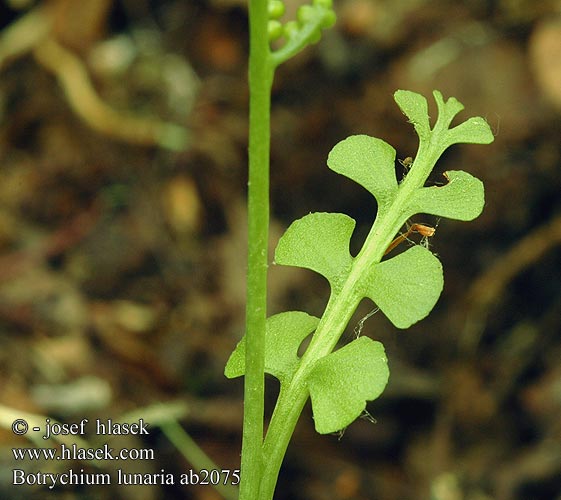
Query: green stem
x=296, y=44
x=260, y=81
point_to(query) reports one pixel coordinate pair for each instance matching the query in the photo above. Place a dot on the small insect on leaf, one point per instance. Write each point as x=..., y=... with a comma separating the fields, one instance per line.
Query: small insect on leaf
x=426, y=231
x=422, y=229
x=406, y=162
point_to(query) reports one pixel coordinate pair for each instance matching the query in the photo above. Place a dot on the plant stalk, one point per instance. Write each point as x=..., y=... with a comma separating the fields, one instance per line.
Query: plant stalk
x=260, y=81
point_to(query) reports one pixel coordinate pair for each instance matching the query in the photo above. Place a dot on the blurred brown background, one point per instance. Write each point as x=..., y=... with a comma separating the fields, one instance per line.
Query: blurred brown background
x=123, y=136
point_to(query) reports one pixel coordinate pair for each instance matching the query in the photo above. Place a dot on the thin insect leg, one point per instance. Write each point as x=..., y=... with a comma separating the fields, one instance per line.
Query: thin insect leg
x=495, y=129
x=397, y=241
x=425, y=240
x=360, y=324
x=367, y=416
x=422, y=229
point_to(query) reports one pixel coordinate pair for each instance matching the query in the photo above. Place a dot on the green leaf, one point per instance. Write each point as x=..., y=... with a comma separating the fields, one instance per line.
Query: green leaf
x=447, y=110
x=407, y=286
x=415, y=107
x=368, y=161
x=475, y=130
x=342, y=382
x=462, y=198
x=320, y=242
x=283, y=336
